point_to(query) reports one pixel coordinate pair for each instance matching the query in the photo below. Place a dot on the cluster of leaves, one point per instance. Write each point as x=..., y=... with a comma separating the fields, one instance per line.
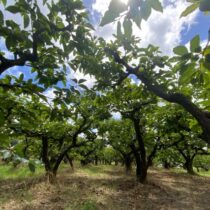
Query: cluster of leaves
x=203, y=5
x=47, y=41
x=135, y=10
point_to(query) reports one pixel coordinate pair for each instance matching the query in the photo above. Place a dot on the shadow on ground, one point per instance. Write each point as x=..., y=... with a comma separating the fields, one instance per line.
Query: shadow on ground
x=109, y=190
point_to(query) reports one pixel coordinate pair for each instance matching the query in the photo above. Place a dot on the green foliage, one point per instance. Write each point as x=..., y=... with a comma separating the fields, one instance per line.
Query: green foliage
x=29, y=46
x=190, y=9
x=134, y=10
x=195, y=44
x=116, y=7
x=22, y=171
x=204, y=6
x=180, y=50
x=31, y=166
x=89, y=205
x=77, y=120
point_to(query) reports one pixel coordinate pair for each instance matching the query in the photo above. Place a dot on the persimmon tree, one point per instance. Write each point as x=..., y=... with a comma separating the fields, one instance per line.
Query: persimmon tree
x=119, y=135
x=54, y=128
x=164, y=76
x=134, y=104
x=184, y=136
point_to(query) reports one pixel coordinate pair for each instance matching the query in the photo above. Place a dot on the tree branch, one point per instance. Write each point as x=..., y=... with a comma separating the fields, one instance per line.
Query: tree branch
x=203, y=117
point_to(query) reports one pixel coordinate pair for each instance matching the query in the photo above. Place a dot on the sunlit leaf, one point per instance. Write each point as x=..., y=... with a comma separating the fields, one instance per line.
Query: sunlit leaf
x=195, y=43
x=190, y=9
x=180, y=50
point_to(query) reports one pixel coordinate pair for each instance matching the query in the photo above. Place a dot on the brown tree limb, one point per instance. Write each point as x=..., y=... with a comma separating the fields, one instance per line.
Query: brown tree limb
x=202, y=116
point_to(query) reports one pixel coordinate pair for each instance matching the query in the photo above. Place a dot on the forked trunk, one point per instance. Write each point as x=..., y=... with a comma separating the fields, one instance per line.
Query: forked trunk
x=141, y=173
x=128, y=164
x=51, y=177
x=189, y=167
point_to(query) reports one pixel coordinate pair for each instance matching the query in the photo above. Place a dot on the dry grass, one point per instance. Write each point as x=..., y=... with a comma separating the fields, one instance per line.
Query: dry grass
x=107, y=188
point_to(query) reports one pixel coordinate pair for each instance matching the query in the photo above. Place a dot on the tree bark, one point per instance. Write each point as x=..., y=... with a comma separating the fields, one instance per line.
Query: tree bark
x=51, y=176
x=141, y=168
x=203, y=117
x=142, y=163
x=128, y=164
x=166, y=164
x=45, y=157
x=189, y=166
x=70, y=162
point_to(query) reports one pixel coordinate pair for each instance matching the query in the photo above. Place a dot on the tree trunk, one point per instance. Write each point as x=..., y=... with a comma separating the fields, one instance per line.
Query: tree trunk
x=189, y=166
x=128, y=164
x=166, y=164
x=70, y=162
x=51, y=176
x=203, y=117
x=141, y=167
x=141, y=160
x=141, y=173
x=96, y=160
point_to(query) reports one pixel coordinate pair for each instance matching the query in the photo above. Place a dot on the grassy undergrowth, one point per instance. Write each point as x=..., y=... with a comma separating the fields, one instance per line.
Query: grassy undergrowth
x=19, y=172
x=101, y=187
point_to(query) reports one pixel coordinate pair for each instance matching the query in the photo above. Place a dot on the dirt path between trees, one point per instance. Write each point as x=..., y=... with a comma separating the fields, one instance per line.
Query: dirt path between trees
x=107, y=189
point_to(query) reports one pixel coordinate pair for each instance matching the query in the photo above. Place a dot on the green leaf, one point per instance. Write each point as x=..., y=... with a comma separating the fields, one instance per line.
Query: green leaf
x=119, y=31
x=195, y=43
x=127, y=24
x=190, y=9
x=84, y=86
x=115, y=8
x=31, y=166
x=88, y=25
x=145, y=10
x=4, y=2
x=137, y=19
x=108, y=17
x=2, y=119
x=75, y=80
x=204, y=5
x=206, y=51
x=187, y=74
x=3, y=137
x=26, y=21
x=13, y=9
x=156, y=5
x=207, y=58
x=1, y=18
x=21, y=77
x=81, y=81
x=180, y=50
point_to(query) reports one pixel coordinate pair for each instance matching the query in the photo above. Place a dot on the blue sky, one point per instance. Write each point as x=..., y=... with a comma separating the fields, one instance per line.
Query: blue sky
x=167, y=28
x=201, y=27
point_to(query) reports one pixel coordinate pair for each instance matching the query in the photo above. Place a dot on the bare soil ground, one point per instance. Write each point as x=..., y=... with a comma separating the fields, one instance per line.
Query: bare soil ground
x=107, y=189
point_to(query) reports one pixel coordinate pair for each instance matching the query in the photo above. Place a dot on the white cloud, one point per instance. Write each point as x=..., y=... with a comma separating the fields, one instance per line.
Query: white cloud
x=90, y=80
x=116, y=115
x=50, y=95
x=106, y=31
x=101, y=6
x=161, y=29
x=204, y=43
x=164, y=30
